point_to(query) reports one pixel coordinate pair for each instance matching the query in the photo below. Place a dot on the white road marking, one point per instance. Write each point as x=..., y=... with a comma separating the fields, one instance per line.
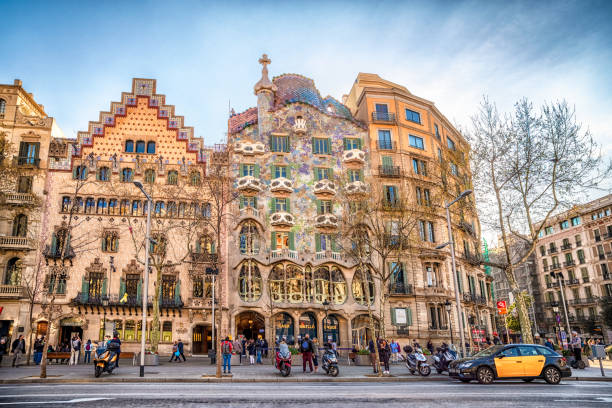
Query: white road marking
x=72, y=401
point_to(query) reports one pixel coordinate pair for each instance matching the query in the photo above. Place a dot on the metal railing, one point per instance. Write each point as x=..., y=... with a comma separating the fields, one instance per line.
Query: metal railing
x=552, y=250
x=18, y=198
x=389, y=171
x=383, y=117
x=283, y=253
x=400, y=288
x=26, y=161
x=385, y=144
x=336, y=256
x=565, y=247
x=569, y=263
x=203, y=257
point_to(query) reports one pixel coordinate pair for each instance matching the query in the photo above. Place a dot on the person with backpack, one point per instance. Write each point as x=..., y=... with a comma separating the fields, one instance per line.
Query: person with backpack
x=75, y=350
x=238, y=349
x=226, y=349
x=88, y=347
x=175, y=353
x=180, y=348
x=306, y=350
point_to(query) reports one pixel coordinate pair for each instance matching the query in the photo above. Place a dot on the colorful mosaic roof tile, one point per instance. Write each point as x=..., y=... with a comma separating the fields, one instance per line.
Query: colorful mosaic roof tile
x=239, y=121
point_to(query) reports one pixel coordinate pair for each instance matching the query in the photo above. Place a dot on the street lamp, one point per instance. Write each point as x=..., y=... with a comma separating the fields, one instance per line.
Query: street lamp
x=447, y=306
x=559, y=277
x=452, y=251
x=556, y=312
x=104, y=305
x=145, y=292
x=326, y=323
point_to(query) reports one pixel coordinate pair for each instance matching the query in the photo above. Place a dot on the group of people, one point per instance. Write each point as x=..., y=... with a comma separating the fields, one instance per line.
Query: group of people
x=255, y=349
x=578, y=346
x=16, y=349
x=177, y=351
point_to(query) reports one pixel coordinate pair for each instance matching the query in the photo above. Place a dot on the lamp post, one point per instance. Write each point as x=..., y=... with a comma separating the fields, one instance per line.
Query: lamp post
x=326, y=322
x=104, y=305
x=559, y=277
x=454, y=264
x=447, y=306
x=145, y=292
x=556, y=312
x=212, y=353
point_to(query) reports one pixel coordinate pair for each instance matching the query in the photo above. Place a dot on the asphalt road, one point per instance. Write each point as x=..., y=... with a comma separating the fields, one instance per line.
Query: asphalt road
x=353, y=395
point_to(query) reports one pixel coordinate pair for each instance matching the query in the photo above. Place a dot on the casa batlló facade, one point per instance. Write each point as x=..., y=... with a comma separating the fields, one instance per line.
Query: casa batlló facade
x=282, y=271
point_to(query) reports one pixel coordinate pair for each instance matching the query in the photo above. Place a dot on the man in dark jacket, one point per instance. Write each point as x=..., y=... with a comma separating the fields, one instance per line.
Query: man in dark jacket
x=372, y=350
x=306, y=350
x=39, y=346
x=180, y=350
x=17, y=348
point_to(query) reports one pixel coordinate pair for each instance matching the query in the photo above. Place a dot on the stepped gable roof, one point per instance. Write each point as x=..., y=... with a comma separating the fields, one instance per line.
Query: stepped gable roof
x=297, y=88
x=239, y=121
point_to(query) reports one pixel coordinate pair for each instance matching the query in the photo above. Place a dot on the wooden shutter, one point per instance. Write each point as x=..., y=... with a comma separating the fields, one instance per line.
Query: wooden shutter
x=393, y=320
x=241, y=205
x=256, y=171
x=272, y=171
x=318, y=242
x=328, y=144
x=288, y=204
x=104, y=285
x=387, y=161
x=177, y=292
x=319, y=207
x=409, y=316
x=273, y=240
x=272, y=204
x=313, y=141
x=291, y=240
x=84, y=289
x=242, y=170
x=139, y=289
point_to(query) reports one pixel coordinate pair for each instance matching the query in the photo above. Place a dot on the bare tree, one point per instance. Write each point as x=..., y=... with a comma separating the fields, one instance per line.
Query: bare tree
x=528, y=166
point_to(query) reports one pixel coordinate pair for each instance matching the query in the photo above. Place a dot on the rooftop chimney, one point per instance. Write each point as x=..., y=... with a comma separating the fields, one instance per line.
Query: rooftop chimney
x=17, y=82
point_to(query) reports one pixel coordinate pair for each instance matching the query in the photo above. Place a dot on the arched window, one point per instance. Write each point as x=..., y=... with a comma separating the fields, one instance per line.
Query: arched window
x=160, y=207
x=103, y=174
x=79, y=172
x=59, y=239
x=181, y=210
x=308, y=325
x=136, y=207
x=149, y=176
x=329, y=285
x=151, y=148
x=110, y=241
x=66, y=204
x=129, y=146
x=140, y=146
x=205, y=210
x=112, y=206
x=359, y=286
x=167, y=332
x=101, y=206
x=90, y=205
x=127, y=175
x=171, y=211
x=172, y=177
x=249, y=239
x=195, y=178
x=2, y=108
x=249, y=282
x=331, y=329
x=276, y=280
x=13, y=272
x=79, y=205
x=287, y=284
x=205, y=245
x=20, y=226
x=124, y=207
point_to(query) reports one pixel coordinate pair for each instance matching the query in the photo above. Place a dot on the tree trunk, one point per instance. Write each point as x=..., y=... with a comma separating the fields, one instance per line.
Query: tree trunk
x=219, y=318
x=521, y=307
x=43, y=362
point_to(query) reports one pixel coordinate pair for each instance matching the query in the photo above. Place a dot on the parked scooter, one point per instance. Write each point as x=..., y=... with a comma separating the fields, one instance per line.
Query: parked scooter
x=283, y=362
x=416, y=361
x=442, y=358
x=330, y=361
x=105, y=359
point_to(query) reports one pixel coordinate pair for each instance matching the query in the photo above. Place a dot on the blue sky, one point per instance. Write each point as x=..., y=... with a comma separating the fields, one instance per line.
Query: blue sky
x=77, y=57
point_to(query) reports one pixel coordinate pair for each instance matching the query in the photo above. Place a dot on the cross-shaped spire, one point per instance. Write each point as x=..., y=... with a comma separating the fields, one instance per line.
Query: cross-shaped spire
x=264, y=60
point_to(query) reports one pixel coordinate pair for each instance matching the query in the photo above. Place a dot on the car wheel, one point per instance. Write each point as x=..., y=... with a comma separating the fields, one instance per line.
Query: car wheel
x=528, y=379
x=485, y=375
x=552, y=375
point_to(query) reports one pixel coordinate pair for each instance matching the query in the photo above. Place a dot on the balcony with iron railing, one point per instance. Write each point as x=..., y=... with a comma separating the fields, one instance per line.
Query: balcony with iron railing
x=555, y=267
x=573, y=281
x=383, y=117
x=569, y=263
x=12, y=292
x=586, y=279
x=88, y=299
x=24, y=161
x=472, y=259
x=385, y=145
x=468, y=228
x=566, y=247
x=552, y=250
x=389, y=171
x=583, y=301
x=204, y=257
x=400, y=288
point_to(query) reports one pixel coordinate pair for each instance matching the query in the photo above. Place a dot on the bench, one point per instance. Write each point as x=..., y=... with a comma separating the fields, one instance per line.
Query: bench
x=59, y=356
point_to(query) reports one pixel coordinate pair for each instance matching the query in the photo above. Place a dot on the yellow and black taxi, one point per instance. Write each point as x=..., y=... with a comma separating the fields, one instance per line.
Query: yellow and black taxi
x=512, y=361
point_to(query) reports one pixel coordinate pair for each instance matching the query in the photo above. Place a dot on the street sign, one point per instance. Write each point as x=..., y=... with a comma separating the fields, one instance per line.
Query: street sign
x=501, y=307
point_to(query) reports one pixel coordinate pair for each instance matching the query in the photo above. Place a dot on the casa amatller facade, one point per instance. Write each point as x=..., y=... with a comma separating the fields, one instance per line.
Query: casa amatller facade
x=283, y=272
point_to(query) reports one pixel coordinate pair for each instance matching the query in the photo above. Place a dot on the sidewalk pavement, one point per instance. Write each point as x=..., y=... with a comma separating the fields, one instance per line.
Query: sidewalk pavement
x=200, y=370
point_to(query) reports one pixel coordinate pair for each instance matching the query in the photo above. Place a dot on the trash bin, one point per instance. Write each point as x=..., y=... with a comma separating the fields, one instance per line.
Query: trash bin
x=212, y=354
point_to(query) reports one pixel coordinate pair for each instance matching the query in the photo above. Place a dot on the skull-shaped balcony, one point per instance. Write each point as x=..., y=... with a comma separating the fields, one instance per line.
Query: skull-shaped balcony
x=356, y=187
x=281, y=218
x=326, y=221
x=248, y=183
x=325, y=187
x=281, y=184
x=249, y=148
x=300, y=126
x=354, y=156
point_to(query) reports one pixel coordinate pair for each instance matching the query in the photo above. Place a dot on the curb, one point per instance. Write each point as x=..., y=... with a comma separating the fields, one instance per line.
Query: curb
x=253, y=380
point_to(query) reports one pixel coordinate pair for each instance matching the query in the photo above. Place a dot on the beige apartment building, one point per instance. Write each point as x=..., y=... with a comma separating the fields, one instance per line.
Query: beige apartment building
x=577, y=245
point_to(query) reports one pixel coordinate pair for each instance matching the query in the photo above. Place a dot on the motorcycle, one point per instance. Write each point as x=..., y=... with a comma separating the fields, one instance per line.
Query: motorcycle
x=330, y=362
x=417, y=362
x=442, y=359
x=105, y=359
x=283, y=364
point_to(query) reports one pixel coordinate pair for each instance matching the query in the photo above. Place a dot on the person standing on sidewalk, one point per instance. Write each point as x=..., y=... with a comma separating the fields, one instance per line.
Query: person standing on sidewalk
x=384, y=351
x=17, y=348
x=372, y=350
x=395, y=348
x=180, y=346
x=252, y=351
x=259, y=349
x=87, y=348
x=315, y=354
x=3, y=345
x=244, y=344
x=237, y=345
x=226, y=349
x=576, y=345
x=306, y=350
x=75, y=350
x=549, y=344
x=39, y=346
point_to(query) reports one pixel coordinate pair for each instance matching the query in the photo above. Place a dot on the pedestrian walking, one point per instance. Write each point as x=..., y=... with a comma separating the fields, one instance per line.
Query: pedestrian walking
x=576, y=345
x=549, y=344
x=252, y=351
x=372, y=350
x=395, y=348
x=39, y=346
x=175, y=353
x=244, y=344
x=259, y=349
x=237, y=344
x=306, y=350
x=75, y=350
x=587, y=349
x=3, y=345
x=265, y=348
x=496, y=340
x=315, y=354
x=226, y=349
x=384, y=351
x=181, y=348
x=17, y=349
x=430, y=346
x=88, y=349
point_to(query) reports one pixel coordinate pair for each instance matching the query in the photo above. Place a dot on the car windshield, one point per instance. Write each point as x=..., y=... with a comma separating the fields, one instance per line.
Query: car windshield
x=488, y=351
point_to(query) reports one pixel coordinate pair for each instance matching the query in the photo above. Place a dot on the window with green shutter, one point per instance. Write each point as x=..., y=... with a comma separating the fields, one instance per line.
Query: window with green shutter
x=321, y=173
x=280, y=171
x=352, y=143
x=324, y=207
x=321, y=145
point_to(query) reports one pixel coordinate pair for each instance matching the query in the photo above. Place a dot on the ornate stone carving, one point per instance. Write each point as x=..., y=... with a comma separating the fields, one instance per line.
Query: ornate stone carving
x=281, y=184
x=249, y=183
x=282, y=218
